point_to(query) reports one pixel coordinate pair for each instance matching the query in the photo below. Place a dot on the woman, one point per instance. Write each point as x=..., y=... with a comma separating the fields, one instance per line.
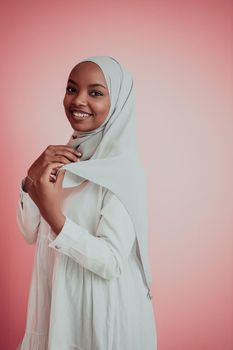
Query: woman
x=84, y=206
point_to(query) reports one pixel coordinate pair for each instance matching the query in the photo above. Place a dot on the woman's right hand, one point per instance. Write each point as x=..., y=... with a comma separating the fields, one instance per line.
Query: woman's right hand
x=53, y=153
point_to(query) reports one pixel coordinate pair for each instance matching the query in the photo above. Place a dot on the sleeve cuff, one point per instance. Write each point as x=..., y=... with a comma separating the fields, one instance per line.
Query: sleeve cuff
x=70, y=234
x=25, y=199
x=51, y=236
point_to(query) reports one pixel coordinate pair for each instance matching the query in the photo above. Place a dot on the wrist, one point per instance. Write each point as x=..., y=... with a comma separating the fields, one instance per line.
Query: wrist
x=56, y=220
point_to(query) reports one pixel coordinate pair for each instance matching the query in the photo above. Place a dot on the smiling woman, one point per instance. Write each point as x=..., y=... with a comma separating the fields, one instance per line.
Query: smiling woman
x=86, y=108
x=90, y=287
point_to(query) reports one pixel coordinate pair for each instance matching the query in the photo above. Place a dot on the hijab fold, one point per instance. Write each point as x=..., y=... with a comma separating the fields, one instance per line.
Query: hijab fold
x=111, y=155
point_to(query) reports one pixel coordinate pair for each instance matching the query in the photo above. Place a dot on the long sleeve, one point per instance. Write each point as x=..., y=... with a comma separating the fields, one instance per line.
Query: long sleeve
x=28, y=216
x=106, y=252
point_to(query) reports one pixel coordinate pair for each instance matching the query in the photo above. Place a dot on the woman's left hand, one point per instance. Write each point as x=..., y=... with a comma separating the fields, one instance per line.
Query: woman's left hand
x=46, y=194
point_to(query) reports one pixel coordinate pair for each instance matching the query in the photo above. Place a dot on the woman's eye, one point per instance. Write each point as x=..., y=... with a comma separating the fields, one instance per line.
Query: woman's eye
x=69, y=89
x=97, y=92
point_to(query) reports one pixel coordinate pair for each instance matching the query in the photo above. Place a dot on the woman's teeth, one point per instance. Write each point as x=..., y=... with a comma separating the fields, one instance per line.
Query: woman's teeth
x=80, y=115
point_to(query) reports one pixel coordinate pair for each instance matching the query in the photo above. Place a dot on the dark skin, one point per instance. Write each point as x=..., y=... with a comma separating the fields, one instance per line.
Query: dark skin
x=45, y=190
x=90, y=99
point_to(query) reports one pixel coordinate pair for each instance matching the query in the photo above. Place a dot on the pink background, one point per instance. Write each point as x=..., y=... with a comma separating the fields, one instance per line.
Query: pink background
x=180, y=54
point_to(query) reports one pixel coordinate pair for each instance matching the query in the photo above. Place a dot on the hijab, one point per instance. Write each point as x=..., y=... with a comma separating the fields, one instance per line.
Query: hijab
x=111, y=155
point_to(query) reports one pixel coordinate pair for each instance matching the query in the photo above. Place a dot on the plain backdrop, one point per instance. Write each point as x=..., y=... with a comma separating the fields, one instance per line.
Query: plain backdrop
x=180, y=54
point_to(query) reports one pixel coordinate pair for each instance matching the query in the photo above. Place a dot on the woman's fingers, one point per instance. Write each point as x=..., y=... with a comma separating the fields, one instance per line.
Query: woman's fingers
x=60, y=177
x=69, y=155
x=46, y=175
x=65, y=150
x=55, y=155
x=61, y=148
x=62, y=159
x=52, y=178
x=62, y=154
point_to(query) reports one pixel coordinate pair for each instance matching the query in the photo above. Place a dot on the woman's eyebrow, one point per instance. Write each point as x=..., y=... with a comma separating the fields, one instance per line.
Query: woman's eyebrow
x=97, y=84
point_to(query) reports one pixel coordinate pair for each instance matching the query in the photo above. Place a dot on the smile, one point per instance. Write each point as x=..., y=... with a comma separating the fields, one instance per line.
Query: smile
x=80, y=116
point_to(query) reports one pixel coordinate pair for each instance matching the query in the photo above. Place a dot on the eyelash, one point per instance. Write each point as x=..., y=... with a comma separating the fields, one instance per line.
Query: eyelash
x=70, y=92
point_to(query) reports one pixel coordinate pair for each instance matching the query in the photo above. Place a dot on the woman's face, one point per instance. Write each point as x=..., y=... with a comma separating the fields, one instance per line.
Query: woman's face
x=86, y=102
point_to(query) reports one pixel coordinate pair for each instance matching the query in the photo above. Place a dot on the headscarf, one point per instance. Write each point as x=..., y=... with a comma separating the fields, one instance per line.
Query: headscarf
x=112, y=156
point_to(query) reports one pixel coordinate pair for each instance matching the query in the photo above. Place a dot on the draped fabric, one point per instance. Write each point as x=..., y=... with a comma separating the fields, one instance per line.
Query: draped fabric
x=112, y=157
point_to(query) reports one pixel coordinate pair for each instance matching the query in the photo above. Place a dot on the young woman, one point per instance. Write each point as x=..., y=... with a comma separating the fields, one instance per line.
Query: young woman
x=84, y=205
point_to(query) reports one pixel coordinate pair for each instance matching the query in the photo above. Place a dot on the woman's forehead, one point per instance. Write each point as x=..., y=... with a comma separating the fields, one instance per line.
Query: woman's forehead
x=88, y=71
x=86, y=66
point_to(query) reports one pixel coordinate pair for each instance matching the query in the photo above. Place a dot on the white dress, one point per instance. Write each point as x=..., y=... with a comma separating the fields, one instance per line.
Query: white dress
x=87, y=291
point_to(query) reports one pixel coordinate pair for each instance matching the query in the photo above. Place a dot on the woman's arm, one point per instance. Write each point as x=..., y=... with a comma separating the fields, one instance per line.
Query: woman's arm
x=32, y=204
x=27, y=215
x=106, y=252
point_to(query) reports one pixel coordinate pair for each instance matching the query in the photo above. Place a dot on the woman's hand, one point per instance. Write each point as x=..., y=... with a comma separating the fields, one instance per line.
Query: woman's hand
x=54, y=153
x=46, y=195
x=46, y=185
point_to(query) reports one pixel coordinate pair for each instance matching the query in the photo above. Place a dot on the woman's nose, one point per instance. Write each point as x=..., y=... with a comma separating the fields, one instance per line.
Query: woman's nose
x=79, y=99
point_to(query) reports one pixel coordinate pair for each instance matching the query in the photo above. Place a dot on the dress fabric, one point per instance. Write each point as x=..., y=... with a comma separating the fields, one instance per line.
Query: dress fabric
x=87, y=290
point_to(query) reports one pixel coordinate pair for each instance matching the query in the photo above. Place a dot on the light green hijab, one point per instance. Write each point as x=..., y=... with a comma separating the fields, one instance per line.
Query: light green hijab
x=111, y=155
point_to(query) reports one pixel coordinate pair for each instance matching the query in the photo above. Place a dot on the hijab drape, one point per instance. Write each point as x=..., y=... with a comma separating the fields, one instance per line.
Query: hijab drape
x=111, y=155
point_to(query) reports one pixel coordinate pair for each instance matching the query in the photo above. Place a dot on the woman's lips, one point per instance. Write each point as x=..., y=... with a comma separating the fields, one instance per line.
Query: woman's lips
x=79, y=116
